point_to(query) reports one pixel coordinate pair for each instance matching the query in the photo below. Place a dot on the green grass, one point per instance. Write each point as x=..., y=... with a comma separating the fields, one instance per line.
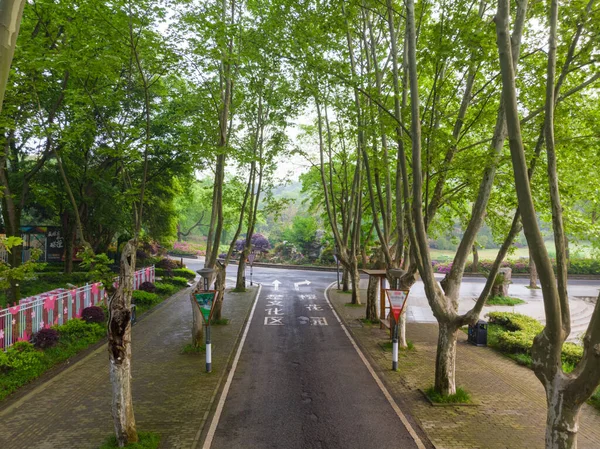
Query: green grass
x=238, y=290
x=370, y=322
x=219, y=322
x=349, y=304
x=460, y=397
x=504, y=301
x=147, y=440
x=191, y=349
x=387, y=346
x=349, y=292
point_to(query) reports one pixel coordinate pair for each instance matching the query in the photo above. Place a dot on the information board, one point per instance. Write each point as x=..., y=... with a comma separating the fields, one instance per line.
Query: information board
x=206, y=301
x=397, y=300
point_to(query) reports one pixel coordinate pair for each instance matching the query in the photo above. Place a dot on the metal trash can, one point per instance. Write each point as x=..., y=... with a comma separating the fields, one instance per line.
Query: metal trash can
x=478, y=333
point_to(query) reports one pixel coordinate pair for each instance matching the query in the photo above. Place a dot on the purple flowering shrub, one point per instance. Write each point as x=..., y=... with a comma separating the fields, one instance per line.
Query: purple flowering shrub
x=259, y=242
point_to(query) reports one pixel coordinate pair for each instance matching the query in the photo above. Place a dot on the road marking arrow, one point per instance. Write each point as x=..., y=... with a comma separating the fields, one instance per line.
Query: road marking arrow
x=298, y=284
x=276, y=284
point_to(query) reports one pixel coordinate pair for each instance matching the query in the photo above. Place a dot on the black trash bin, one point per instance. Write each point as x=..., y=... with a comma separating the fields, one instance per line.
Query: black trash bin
x=478, y=333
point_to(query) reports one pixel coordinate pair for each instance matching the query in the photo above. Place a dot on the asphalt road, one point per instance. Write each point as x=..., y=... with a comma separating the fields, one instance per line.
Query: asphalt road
x=299, y=382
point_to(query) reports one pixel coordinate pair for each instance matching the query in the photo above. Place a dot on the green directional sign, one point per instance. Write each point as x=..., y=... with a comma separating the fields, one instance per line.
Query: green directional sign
x=206, y=301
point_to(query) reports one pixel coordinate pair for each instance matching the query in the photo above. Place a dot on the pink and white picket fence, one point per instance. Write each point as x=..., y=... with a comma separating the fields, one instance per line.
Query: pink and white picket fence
x=20, y=322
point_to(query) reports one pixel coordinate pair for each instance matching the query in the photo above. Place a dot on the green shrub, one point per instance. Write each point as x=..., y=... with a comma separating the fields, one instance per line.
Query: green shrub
x=572, y=353
x=595, y=399
x=515, y=342
x=176, y=280
x=181, y=272
x=516, y=322
x=584, y=266
x=77, y=329
x=23, y=357
x=165, y=289
x=141, y=298
x=503, y=301
x=520, y=332
x=185, y=272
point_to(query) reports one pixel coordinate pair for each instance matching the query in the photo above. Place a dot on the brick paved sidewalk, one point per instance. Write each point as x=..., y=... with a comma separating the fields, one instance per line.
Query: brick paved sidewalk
x=512, y=410
x=171, y=391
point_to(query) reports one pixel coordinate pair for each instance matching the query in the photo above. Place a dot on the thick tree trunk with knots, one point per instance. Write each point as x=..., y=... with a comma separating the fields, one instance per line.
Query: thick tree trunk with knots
x=119, y=349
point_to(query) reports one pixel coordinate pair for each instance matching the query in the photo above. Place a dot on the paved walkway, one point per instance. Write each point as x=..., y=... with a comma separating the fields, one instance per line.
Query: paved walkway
x=582, y=298
x=512, y=410
x=171, y=391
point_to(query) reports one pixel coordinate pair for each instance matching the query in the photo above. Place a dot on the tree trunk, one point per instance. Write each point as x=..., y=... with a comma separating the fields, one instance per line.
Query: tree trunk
x=445, y=382
x=402, y=330
x=372, y=296
x=345, y=280
x=533, y=276
x=363, y=255
x=475, y=266
x=240, y=284
x=355, y=278
x=562, y=419
x=119, y=349
x=220, y=287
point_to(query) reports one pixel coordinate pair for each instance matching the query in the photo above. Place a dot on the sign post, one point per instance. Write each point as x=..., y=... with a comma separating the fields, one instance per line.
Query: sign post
x=397, y=300
x=205, y=300
x=251, y=258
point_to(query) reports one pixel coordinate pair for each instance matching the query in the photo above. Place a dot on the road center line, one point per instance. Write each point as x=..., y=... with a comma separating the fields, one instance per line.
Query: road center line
x=382, y=387
x=215, y=421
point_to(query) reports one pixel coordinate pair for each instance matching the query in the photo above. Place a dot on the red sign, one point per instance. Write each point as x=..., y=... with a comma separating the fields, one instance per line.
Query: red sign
x=397, y=300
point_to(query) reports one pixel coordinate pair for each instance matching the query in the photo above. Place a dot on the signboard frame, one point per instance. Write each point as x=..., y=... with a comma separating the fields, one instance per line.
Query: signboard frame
x=394, y=305
x=212, y=305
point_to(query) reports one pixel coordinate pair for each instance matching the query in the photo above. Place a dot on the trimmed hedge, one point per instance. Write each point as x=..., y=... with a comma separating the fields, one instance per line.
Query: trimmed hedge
x=520, y=332
x=516, y=322
x=180, y=272
x=142, y=298
x=165, y=289
x=176, y=280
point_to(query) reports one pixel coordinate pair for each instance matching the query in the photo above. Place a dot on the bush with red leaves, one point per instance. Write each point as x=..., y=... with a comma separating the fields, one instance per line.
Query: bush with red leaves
x=148, y=287
x=45, y=338
x=93, y=314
